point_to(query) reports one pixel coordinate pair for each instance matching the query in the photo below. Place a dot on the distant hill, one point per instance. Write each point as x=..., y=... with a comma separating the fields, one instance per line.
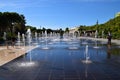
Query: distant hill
x=112, y=26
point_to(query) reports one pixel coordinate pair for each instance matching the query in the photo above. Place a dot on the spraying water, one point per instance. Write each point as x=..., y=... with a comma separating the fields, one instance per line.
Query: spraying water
x=29, y=41
x=86, y=53
x=46, y=45
x=4, y=36
x=36, y=37
x=29, y=36
x=96, y=44
x=87, y=56
x=23, y=39
x=19, y=39
x=72, y=42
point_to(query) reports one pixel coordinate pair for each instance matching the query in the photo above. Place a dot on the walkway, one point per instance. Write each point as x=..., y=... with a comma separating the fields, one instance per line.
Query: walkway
x=7, y=55
x=101, y=39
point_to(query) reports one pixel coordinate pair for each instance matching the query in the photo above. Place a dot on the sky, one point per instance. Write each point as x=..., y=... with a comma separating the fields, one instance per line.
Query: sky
x=56, y=14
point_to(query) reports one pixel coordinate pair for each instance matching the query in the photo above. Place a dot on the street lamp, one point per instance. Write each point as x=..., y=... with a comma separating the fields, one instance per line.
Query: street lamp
x=13, y=27
x=96, y=33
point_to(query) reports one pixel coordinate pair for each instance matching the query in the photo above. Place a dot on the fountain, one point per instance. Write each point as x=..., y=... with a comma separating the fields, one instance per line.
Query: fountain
x=29, y=39
x=4, y=36
x=28, y=63
x=96, y=45
x=87, y=56
x=36, y=38
x=85, y=41
x=51, y=38
x=103, y=42
x=46, y=45
x=96, y=34
x=42, y=37
x=89, y=64
x=102, y=34
x=73, y=47
x=23, y=39
x=18, y=41
x=72, y=43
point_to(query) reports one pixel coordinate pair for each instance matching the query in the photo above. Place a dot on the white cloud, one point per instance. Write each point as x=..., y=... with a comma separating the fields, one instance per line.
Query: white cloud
x=7, y=5
x=21, y=4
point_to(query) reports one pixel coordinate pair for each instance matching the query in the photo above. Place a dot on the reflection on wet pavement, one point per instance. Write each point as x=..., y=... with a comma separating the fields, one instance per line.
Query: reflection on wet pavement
x=61, y=63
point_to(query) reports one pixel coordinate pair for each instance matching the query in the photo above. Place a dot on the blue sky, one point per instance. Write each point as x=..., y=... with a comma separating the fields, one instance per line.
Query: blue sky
x=56, y=14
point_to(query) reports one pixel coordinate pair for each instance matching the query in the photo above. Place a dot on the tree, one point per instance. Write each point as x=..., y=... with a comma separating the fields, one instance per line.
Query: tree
x=61, y=32
x=12, y=23
x=49, y=31
x=43, y=29
x=3, y=22
x=67, y=30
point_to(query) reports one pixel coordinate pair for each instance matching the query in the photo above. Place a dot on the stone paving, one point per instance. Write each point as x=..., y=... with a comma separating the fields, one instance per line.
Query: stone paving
x=7, y=55
x=61, y=63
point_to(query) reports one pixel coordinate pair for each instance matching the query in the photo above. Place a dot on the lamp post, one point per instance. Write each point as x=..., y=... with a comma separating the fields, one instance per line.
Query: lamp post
x=96, y=29
x=13, y=28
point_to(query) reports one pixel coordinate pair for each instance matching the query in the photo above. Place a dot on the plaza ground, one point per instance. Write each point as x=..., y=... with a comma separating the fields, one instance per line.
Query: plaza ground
x=60, y=62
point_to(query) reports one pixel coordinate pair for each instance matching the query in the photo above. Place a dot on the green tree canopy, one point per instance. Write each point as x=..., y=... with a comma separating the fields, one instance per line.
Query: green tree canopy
x=12, y=23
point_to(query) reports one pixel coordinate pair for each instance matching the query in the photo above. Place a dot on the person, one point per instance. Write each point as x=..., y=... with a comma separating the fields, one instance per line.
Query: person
x=109, y=39
x=13, y=41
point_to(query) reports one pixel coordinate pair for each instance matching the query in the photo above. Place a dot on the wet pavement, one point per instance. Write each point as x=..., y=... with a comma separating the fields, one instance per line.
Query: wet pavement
x=61, y=63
